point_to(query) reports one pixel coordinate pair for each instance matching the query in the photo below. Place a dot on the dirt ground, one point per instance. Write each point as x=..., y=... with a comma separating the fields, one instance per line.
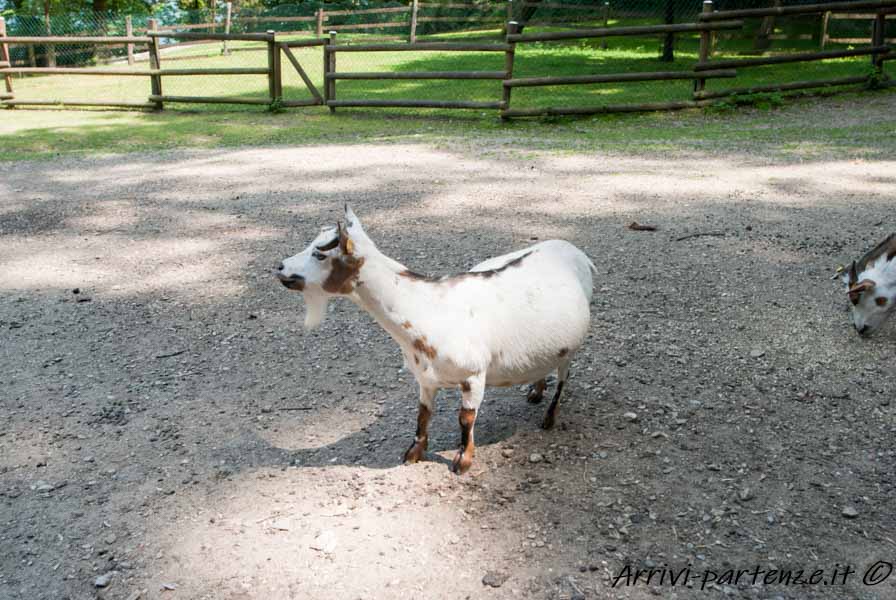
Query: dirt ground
x=168, y=430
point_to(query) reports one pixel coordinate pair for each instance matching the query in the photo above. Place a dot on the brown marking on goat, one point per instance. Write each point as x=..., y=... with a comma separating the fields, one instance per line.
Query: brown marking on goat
x=464, y=457
x=344, y=274
x=465, y=386
x=416, y=360
x=421, y=346
x=421, y=439
x=886, y=248
x=454, y=279
x=563, y=352
x=880, y=301
x=406, y=325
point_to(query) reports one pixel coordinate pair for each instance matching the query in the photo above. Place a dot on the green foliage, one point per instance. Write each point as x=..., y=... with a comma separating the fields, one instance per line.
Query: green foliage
x=876, y=79
x=762, y=101
x=276, y=106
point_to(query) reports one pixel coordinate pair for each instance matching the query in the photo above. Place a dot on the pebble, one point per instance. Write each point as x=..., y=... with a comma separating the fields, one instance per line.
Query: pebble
x=494, y=579
x=757, y=353
x=850, y=512
x=535, y=457
x=745, y=494
x=103, y=580
x=507, y=452
x=630, y=416
x=324, y=542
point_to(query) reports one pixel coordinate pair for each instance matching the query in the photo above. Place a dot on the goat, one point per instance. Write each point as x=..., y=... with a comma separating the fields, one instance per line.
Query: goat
x=511, y=320
x=871, y=286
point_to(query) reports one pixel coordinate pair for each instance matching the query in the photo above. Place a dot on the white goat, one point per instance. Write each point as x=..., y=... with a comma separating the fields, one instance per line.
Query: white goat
x=871, y=286
x=511, y=320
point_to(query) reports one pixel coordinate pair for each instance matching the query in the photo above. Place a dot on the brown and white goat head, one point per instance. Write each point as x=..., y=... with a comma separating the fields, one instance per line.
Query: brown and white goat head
x=871, y=286
x=329, y=266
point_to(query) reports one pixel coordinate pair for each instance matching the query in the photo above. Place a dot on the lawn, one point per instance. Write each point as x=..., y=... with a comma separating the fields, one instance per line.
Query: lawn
x=44, y=133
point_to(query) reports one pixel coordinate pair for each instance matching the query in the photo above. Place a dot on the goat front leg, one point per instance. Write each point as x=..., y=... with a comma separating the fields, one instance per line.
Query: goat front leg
x=421, y=439
x=472, y=391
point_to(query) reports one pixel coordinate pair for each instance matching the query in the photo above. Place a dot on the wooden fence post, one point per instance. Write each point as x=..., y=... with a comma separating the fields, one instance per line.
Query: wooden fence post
x=224, y=49
x=509, y=11
x=512, y=28
x=413, y=35
x=320, y=22
x=273, y=70
x=155, y=63
x=823, y=38
x=4, y=56
x=603, y=42
x=330, y=67
x=129, y=31
x=705, y=49
x=878, y=30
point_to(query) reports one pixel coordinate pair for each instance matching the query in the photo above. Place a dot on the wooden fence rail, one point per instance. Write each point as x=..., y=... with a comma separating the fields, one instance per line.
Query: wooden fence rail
x=805, y=9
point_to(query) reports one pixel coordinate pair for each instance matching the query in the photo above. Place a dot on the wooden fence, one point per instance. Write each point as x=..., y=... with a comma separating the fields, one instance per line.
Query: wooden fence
x=156, y=72
x=706, y=69
x=605, y=32
x=408, y=18
x=331, y=75
x=876, y=48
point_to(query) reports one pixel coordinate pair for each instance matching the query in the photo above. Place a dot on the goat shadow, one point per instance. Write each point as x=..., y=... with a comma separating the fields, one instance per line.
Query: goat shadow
x=381, y=443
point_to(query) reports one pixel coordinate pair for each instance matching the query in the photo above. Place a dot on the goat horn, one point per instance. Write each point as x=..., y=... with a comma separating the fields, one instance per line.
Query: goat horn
x=329, y=245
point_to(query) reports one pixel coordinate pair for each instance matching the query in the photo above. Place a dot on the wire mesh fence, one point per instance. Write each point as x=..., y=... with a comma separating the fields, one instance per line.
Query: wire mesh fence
x=432, y=21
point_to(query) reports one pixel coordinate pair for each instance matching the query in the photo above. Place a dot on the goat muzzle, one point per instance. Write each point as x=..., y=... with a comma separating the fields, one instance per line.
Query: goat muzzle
x=292, y=282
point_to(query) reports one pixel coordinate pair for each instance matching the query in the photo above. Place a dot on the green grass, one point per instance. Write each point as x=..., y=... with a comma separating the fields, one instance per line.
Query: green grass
x=791, y=133
x=43, y=133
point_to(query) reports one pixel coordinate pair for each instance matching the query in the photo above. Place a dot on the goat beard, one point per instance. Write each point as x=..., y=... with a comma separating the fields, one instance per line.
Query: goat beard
x=315, y=308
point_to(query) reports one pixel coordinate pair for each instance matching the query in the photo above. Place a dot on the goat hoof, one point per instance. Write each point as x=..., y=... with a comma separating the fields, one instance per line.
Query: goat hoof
x=415, y=452
x=535, y=395
x=548, y=422
x=461, y=463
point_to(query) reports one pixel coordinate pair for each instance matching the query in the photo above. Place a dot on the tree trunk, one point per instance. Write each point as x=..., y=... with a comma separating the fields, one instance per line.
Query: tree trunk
x=669, y=41
x=50, y=48
x=762, y=42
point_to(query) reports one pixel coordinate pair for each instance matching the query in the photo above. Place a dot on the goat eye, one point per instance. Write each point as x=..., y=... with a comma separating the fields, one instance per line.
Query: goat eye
x=319, y=255
x=880, y=301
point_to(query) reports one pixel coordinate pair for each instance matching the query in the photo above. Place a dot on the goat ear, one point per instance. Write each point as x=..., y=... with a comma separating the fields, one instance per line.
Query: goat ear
x=856, y=290
x=345, y=243
x=351, y=220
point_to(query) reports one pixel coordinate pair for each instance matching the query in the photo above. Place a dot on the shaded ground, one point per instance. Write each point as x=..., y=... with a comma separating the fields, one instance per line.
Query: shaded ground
x=180, y=429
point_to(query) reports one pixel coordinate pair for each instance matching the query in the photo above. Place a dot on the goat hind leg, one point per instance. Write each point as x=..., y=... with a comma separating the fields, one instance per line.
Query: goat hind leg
x=536, y=391
x=562, y=376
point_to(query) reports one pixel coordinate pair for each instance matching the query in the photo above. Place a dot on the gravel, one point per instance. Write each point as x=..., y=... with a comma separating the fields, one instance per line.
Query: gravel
x=209, y=414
